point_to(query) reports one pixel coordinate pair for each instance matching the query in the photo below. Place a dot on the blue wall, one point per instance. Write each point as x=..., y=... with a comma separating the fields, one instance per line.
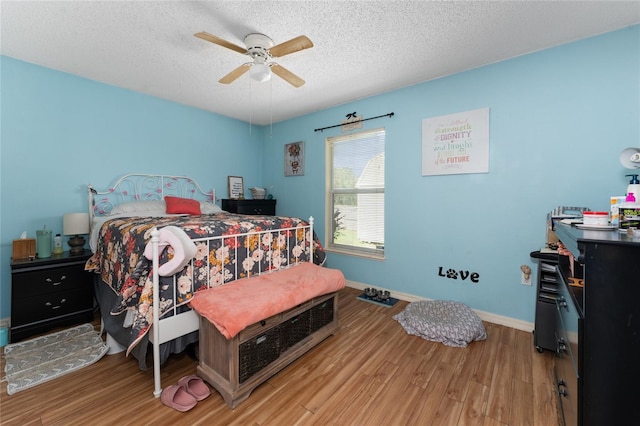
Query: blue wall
x=60, y=132
x=559, y=119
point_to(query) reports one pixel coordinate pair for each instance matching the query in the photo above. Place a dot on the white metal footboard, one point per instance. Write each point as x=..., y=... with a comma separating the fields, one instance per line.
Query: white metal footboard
x=180, y=324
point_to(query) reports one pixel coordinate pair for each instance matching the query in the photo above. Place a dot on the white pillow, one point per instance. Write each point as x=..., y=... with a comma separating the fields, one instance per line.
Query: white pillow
x=209, y=208
x=156, y=208
x=143, y=208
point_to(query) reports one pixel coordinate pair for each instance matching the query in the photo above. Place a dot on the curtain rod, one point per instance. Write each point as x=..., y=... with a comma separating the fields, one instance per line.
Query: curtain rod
x=391, y=114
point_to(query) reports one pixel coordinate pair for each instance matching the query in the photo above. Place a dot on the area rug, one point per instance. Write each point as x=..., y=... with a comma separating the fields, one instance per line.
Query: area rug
x=32, y=362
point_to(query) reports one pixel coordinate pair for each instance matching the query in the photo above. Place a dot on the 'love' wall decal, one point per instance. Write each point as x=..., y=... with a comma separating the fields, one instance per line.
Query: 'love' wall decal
x=451, y=273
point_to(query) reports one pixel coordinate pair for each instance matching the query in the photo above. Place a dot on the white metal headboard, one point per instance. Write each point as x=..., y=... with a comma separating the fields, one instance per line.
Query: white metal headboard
x=144, y=187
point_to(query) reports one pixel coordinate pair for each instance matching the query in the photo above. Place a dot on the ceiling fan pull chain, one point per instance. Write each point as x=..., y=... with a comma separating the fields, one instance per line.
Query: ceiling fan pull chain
x=250, y=103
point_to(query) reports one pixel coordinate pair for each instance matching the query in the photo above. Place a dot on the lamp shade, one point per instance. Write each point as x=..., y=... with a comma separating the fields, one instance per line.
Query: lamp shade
x=630, y=158
x=260, y=72
x=75, y=223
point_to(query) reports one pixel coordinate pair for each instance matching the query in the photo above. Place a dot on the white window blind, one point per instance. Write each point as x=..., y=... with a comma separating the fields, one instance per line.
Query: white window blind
x=355, y=190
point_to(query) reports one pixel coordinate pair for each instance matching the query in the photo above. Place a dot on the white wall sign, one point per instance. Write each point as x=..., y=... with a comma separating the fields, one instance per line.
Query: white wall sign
x=456, y=143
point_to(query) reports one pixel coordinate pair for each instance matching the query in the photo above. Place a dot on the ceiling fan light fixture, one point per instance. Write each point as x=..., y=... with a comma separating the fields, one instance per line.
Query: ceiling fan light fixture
x=260, y=72
x=261, y=50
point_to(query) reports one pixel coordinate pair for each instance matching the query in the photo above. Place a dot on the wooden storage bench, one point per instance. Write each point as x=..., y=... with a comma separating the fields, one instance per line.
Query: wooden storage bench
x=236, y=366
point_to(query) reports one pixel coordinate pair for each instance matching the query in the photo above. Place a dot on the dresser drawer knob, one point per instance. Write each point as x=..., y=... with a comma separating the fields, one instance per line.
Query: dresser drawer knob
x=52, y=306
x=62, y=278
x=561, y=302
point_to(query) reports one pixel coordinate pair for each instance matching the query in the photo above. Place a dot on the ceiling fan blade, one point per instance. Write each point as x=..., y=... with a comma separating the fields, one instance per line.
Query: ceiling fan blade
x=294, y=45
x=220, y=42
x=287, y=75
x=235, y=74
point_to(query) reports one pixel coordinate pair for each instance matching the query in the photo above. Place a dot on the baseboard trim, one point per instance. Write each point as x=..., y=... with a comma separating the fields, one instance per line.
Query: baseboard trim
x=5, y=322
x=484, y=316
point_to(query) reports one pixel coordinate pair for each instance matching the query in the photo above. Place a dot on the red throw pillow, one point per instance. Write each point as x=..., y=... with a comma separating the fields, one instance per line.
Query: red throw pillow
x=177, y=205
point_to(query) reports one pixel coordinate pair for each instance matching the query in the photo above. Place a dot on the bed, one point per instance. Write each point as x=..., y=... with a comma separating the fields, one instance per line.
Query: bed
x=127, y=221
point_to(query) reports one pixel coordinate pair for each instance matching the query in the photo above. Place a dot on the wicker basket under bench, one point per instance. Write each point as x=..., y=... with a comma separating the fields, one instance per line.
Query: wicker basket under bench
x=234, y=367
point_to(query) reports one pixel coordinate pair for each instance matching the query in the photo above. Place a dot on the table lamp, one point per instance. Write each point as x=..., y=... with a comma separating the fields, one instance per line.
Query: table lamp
x=76, y=224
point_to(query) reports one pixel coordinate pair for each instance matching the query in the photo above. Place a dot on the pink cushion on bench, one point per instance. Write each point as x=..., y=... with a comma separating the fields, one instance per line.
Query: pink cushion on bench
x=233, y=307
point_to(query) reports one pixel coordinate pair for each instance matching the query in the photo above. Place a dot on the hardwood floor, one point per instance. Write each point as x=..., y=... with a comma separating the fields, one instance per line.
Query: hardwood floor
x=370, y=373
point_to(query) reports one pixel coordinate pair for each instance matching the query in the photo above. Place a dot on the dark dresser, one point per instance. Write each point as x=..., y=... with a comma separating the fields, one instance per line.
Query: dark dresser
x=48, y=293
x=253, y=207
x=598, y=327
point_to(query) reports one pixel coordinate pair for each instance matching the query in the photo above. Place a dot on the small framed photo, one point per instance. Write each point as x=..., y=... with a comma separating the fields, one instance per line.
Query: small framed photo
x=294, y=159
x=236, y=187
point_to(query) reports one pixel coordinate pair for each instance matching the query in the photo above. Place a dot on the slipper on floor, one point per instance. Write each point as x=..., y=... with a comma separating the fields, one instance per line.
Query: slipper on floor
x=195, y=386
x=177, y=397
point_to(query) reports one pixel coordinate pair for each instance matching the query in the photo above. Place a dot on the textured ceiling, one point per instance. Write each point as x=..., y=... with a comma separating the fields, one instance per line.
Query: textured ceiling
x=361, y=48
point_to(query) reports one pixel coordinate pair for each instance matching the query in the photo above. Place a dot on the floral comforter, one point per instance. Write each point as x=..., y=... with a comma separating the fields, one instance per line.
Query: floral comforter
x=120, y=261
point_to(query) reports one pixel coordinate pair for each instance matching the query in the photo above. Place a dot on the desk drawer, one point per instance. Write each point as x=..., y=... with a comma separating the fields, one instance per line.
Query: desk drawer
x=259, y=327
x=260, y=208
x=51, y=305
x=250, y=207
x=64, y=278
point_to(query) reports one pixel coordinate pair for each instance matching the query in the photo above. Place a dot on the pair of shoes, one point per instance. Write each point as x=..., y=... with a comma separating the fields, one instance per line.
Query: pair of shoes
x=195, y=386
x=186, y=394
x=177, y=397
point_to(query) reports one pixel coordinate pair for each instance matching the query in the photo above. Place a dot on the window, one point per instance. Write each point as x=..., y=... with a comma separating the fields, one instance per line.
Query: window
x=355, y=193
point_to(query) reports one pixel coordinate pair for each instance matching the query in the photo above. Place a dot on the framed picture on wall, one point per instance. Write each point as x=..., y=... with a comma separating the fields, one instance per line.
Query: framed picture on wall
x=456, y=143
x=294, y=159
x=236, y=187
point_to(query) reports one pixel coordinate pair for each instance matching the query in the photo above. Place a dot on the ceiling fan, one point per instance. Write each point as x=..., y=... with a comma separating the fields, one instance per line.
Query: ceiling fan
x=261, y=50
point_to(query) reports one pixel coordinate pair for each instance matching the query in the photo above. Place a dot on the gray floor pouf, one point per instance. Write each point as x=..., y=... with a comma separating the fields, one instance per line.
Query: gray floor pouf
x=445, y=321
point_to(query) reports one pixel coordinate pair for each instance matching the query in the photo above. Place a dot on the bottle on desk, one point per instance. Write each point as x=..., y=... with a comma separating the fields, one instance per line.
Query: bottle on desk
x=629, y=213
x=57, y=244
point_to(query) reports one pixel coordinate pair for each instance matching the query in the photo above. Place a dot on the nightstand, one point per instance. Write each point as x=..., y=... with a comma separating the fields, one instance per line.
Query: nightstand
x=48, y=293
x=253, y=207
